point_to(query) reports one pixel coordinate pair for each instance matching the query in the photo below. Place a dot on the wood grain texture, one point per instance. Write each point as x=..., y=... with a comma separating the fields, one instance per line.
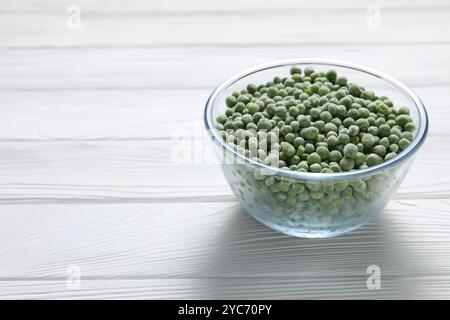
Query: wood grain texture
x=90, y=175
x=164, y=252
x=102, y=28
x=154, y=170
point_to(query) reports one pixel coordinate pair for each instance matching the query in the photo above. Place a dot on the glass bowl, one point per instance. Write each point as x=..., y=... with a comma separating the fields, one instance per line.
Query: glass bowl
x=314, y=205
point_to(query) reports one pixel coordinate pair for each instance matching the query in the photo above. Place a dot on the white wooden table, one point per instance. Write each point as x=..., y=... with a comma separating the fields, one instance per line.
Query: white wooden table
x=89, y=190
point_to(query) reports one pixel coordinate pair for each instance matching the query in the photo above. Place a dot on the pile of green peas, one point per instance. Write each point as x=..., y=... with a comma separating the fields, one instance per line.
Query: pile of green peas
x=315, y=121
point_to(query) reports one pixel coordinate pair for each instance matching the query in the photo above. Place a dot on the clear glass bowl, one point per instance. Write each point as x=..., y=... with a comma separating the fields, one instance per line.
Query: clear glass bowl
x=315, y=205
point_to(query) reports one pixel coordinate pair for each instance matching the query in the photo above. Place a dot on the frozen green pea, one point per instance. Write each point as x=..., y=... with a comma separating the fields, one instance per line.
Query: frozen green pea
x=347, y=164
x=230, y=101
x=367, y=140
x=288, y=149
x=331, y=75
x=348, y=122
x=410, y=127
x=343, y=138
x=308, y=71
x=341, y=80
x=303, y=165
x=358, y=185
x=390, y=156
x=323, y=90
x=294, y=111
x=315, y=167
x=269, y=181
x=408, y=136
x=221, y=119
x=309, y=148
x=326, y=116
x=403, y=110
x=384, y=130
x=360, y=147
x=360, y=159
x=335, y=156
x=309, y=133
x=330, y=127
x=350, y=151
x=363, y=124
x=373, y=159
x=379, y=150
x=384, y=142
x=404, y=143
x=354, y=90
x=295, y=70
x=393, y=139
x=323, y=152
x=298, y=141
x=353, y=130
x=284, y=130
x=394, y=147
x=303, y=121
x=335, y=168
x=264, y=124
x=281, y=111
x=313, y=158
x=289, y=137
x=403, y=119
x=332, y=141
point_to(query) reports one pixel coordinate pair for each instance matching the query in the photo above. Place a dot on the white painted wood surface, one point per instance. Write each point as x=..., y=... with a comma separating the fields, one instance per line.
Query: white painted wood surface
x=86, y=172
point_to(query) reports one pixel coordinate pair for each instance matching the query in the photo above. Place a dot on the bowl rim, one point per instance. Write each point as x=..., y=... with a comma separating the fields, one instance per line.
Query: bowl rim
x=421, y=134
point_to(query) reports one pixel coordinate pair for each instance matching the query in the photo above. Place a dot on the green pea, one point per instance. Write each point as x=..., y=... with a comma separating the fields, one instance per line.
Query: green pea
x=309, y=133
x=343, y=138
x=288, y=149
x=323, y=152
x=315, y=167
x=373, y=159
x=404, y=143
x=353, y=130
x=341, y=80
x=360, y=159
x=410, y=127
x=309, y=148
x=230, y=101
x=390, y=156
x=335, y=156
x=313, y=158
x=347, y=164
x=281, y=111
x=331, y=75
x=308, y=70
x=367, y=140
x=303, y=121
x=379, y=150
x=350, y=151
x=354, y=90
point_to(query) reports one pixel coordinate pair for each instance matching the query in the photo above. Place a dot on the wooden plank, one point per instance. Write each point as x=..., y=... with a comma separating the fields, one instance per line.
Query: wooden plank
x=194, y=6
x=135, y=114
x=429, y=287
x=216, y=250
x=199, y=68
x=275, y=28
x=154, y=170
